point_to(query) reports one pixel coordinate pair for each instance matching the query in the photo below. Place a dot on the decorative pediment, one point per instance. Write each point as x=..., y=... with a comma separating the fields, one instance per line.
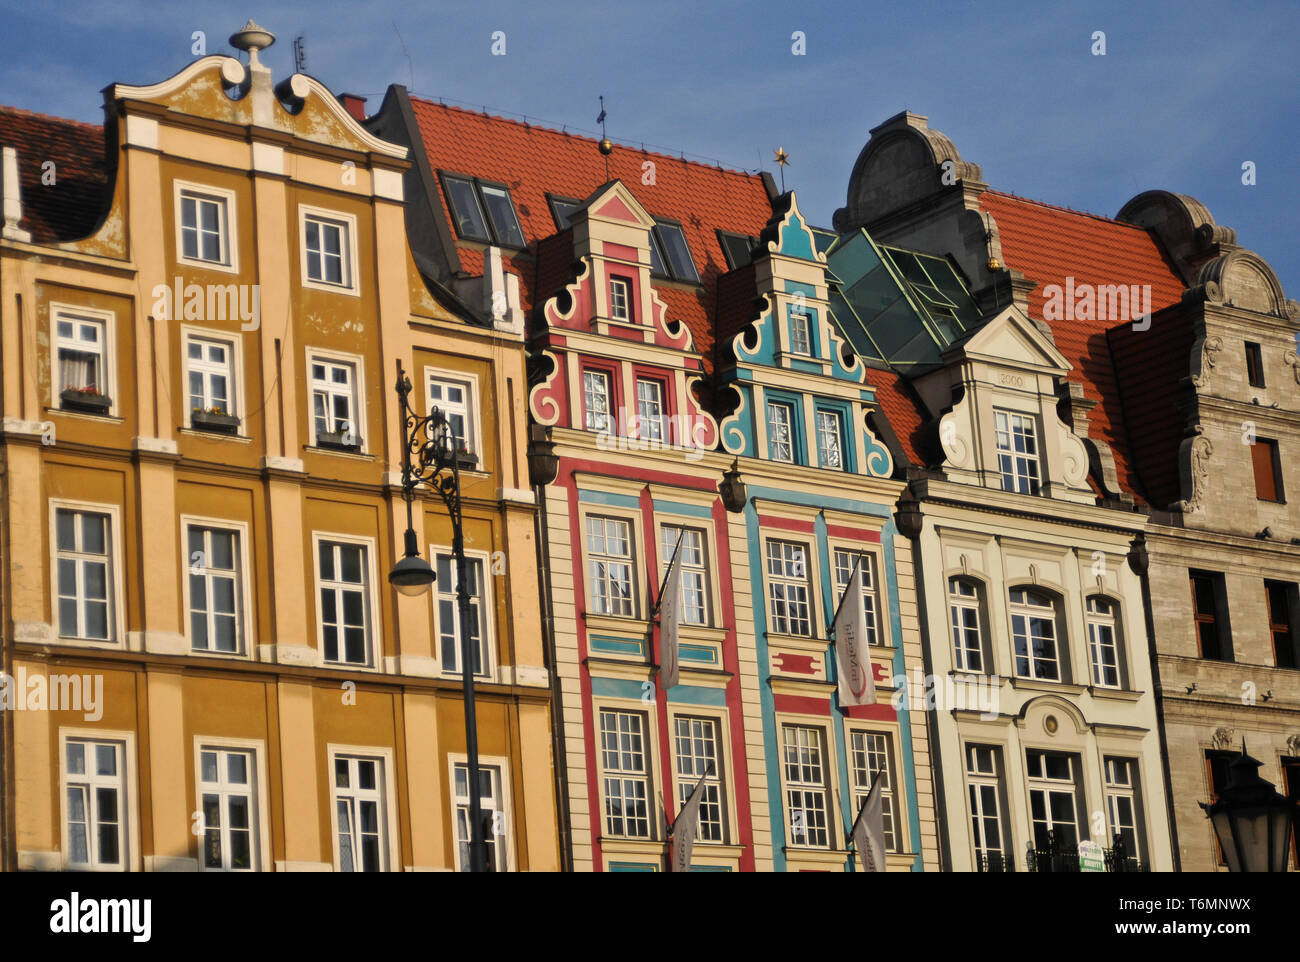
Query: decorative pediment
x=613, y=203
x=1010, y=338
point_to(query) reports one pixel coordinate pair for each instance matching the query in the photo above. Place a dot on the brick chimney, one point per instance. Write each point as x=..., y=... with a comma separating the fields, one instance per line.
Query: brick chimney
x=354, y=105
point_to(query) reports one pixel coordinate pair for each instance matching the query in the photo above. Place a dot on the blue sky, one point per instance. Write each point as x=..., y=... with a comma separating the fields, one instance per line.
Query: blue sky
x=1186, y=93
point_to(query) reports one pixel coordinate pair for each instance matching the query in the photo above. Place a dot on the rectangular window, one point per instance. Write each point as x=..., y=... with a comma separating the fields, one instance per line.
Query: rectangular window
x=787, y=587
x=984, y=789
x=830, y=440
x=1017, y=452
x=807, y=795
x=736, y=248
x=697, y=751
x=490, y=803
x=693, y=561
x=610, y=567
x=482, y=211
x=967, y=639
x=204, y=235
x=84, y=563
x=361, y=810
x=216, y=588
x=1254, y=365
x=328, y=247
x=619, y=300
x=227, y=809
x=1033, y=629
x=650, y=409
x=800, y=334
x=1268, y=470
x=845, y=559
x=1209, y=608
x=449, y=623
x=668, y=249
x=624, y=761
x=94, y=787
x=870, y=758
x=455, y=399
x=1123, y=807
x=344, y=603
x=780, y=439
x=1282, y=606
x=81, y=354
x=1053, y=799
x=596, y=405
x=209, y=366
x=334, y=403
x=501, y=214
x=562, y=209
x=1216, y=770
x=1102, y=645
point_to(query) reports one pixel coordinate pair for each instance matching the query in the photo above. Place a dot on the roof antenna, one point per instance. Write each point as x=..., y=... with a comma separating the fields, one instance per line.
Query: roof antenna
x=300, y=53
x=605, y=145
x=782, y=161
x=410, y=68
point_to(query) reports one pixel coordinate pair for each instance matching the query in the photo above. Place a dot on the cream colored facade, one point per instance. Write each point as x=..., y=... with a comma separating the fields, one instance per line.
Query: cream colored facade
x=340, y=705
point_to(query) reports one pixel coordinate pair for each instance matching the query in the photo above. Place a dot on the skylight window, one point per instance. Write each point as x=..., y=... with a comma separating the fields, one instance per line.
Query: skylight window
x=668, y=250
x=483, y=211
x=737, y=247
x=562, y=209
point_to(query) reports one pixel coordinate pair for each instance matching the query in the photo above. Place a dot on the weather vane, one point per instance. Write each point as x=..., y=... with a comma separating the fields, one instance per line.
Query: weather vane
x=782, y=161
x=606, y=145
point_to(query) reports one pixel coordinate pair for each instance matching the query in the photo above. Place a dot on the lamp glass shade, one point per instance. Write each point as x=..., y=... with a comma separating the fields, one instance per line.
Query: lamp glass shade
x=412, y=576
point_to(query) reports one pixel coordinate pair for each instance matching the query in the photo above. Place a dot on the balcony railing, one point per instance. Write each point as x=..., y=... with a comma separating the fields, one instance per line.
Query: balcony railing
x=1058, y=856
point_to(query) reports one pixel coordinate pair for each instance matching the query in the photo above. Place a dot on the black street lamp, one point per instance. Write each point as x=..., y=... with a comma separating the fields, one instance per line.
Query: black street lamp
x=1252, y=820
x=430, y=457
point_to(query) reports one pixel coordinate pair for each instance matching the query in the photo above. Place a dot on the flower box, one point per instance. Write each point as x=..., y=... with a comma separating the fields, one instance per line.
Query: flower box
x=339, y=440
x=91, y=402
x=218, y=422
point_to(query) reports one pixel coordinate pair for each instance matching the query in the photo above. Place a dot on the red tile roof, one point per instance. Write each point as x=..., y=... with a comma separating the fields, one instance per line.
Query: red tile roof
x=1049, y=244
x=907, y=416
x=72, y=206
x=535, y=161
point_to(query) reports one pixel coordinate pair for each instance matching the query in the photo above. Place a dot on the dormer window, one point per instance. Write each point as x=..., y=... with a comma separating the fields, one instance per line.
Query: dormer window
x=800, y=333
x=483, y=211
x=620, y=299
x=669, y=254
x=1017, y=446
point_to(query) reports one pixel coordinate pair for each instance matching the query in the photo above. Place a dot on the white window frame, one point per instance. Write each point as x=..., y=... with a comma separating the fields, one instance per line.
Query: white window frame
x=825, y=786
x=228, y=217
x=469, y=410
x=1021, y=462
x=823, y=435
x=659, y=431
x=893, y=814
x=1050, y=786
x=976, y=780
x=877, y=632
x=806, y=327
x=646, y=774
x=244, y=584
x=715, y=784
x=622, y=284
x=384, y=756
x=128, y=803
x=1098, y=624
x=967, y=605
x=804, y=582
x=502, y=767
x=1028, y=612
x=107, y=321
x=698, y=570
x=359, y=424
x=370, y=597
x=260, y=820
x=117, y=617
x=589, y=416
x=772, y=441
x=487, y=606
x=352, y=285
x=233, y=344
x=631, y=559
x=1132, y=790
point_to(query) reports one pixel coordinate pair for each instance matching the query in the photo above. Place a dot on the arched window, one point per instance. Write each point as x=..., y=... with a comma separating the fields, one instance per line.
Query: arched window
x=1033, y=630
x=967, y=632
x=1103, y=641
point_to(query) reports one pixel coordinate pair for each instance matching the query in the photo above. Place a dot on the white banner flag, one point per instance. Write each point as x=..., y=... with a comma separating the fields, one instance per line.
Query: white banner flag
x=684, y=829
x=857, y=678
x=670, y=617
x=869, y=831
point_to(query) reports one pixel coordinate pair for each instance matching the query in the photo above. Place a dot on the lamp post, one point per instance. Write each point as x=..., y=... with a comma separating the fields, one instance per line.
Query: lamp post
x=1253, y=821
x=429, y=457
